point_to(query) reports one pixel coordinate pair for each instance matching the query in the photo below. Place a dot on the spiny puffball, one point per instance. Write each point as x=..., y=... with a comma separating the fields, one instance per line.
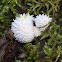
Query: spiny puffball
x=42, y=20
x=23, y=28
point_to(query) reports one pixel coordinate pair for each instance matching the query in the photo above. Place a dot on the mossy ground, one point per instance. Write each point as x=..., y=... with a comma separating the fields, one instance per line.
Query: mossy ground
x=47, y=47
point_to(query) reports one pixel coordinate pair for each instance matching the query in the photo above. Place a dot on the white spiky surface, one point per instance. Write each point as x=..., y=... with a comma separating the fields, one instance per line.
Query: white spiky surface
x=36, y=31
x=42, y=20
x=23, y=28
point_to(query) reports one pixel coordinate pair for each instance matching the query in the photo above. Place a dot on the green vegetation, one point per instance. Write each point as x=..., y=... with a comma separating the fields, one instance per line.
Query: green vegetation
x=53, y=37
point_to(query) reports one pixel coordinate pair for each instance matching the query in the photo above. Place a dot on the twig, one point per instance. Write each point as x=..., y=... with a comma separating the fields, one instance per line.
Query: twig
x=57, y=57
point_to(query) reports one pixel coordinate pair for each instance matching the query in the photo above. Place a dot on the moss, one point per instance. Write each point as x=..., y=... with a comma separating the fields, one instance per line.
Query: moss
x=53, y=43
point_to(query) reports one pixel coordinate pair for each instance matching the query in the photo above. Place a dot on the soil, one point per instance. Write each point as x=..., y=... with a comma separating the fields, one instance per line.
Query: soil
x=9, y=48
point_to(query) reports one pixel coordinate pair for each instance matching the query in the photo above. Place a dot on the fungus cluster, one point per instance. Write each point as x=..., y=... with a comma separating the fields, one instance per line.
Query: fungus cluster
x=24, y=30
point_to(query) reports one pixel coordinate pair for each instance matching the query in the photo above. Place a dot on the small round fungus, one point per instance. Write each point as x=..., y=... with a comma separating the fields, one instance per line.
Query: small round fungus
x=36, y=31
x=42, y=20
x=22, y=27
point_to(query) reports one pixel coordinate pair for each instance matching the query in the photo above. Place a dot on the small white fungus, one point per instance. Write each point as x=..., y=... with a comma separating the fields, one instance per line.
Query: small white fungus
x=22, y=28
x=42, y=20
x=36, y=31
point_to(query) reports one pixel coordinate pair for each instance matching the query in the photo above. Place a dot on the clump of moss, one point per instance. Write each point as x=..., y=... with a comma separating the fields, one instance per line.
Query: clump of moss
x=53, y=36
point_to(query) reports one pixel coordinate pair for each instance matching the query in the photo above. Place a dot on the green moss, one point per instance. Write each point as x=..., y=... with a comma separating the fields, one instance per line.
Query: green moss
x=53, y=46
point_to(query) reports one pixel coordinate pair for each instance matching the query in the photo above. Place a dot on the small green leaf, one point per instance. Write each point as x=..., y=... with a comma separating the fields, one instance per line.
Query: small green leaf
x=45, y=35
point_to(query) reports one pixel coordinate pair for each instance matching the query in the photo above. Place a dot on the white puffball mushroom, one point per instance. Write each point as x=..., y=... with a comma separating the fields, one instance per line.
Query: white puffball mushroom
x=36, y=31
x=42, y=20
x=22, y=27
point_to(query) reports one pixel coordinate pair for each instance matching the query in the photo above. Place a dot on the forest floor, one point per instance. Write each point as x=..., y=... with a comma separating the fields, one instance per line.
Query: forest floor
x=9, y=50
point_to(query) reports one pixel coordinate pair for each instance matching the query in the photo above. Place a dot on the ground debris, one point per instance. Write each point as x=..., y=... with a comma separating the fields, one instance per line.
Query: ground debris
x=3, y=44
